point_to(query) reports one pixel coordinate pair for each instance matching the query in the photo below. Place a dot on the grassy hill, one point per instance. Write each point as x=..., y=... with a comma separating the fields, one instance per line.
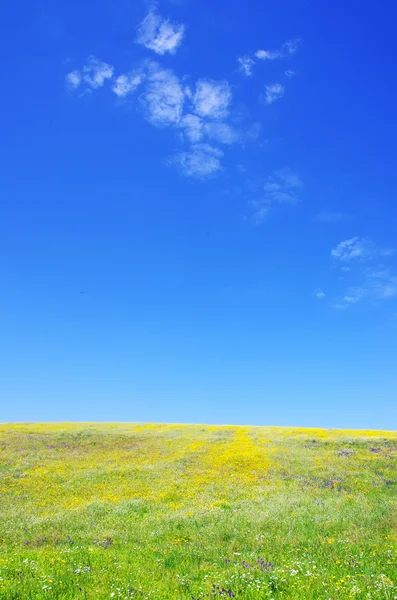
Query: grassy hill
x=168, y=512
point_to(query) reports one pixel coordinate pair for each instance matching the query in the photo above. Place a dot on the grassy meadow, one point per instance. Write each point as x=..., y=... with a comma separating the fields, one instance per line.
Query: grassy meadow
x=172, y=512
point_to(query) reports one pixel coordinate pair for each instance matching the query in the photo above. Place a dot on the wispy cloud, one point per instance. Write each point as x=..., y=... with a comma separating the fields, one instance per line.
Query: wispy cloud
x=200, y=161
x=380, y=285
x=368, y=281
x=93, y=74
x=221, y=132
x=280, y=188
x=357, y=248
x=128, y=83
x=245, y=65
x=339, y=306
x=287, y=50
x=350, y=249
x=319, y=294
x=384, y=283
x=159, y=34
x=212, y=98
x=163, y=98
x=273, y=92
x=354, y=295
x=260, y=211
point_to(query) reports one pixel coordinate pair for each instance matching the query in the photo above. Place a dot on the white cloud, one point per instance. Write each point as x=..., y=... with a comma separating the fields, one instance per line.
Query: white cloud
x=320, y=294
x=290, y=74
x=273, y=92
x=286, y=51
x=384, y=282
x=290, y=47
x=163, y=98
x=340, y=306
x=371, y=283
x=354, y=295
x=381, y=285
x=245, y=65
x=349, y=249
x=212, y=98
x=221, y=132
x=160, y=35
x=127, y=83
x=193, y=127
x=280, y=188
x=267, y=54
x=200, y=161
x=357, y=248
x=210, y=103
x=96, y=72
x=261, y=211
x=74, y=79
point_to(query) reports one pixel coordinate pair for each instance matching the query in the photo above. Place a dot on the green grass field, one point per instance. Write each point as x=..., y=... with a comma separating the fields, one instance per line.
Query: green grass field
x=170, y=512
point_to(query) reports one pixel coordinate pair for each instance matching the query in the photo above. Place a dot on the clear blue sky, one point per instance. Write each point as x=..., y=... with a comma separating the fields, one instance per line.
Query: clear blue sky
x=198, y=216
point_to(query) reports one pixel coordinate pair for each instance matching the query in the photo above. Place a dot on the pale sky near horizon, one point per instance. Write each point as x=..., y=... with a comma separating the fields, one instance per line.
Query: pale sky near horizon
x=199, y=217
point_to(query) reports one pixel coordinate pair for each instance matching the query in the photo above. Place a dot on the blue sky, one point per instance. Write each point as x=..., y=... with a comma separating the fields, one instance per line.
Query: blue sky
x=199, y=213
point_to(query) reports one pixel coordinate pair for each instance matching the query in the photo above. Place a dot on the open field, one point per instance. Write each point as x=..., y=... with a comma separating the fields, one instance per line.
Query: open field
x=170, y=512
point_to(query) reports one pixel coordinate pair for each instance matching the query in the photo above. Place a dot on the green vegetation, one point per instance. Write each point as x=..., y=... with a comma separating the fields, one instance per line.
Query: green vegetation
x=172, y=512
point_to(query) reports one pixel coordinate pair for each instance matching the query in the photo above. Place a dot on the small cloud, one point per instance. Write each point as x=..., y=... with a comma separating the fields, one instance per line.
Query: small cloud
x=357, y=248
x=355, y=295
x=159, y=35
x=212, y=98
x=273, y=92
x=252, y=132
x=319, y=294
x=201, y=161
x=163, y=98
x=96, y=72
x=384, y=283
x=339, y=306
x=371, y=283
x=287, y=50
x=128, y=83
x=267, y=54
x=73, y=79
x=350, y=249
x=290, y=74
x=245, y=65
x=261, y=211
x=280, y=188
